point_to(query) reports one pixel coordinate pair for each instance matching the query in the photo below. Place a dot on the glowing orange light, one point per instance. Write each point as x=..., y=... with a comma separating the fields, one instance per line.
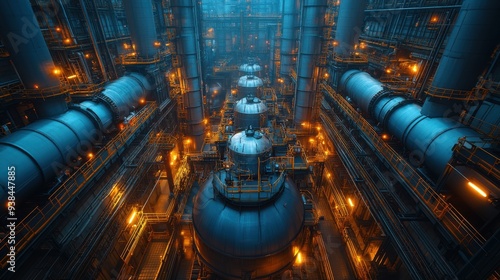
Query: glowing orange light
x=132, y=217
x=142, y=101
x=58, y=29
x=477, y=189
x=326, y=75
x=157, y=44
x=414, y=68
x=434, y=19
x=67, y=40
x=388, y=71
x=87, y=55
x=385, y=136
x=350, y=202
x=72, y=77
x=299, y=259
x=36, y=86
x=56, y=71
x=90, y=155
x=329, y=175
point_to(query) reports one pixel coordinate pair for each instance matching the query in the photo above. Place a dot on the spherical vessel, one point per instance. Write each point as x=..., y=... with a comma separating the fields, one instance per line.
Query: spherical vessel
x=247, y=148
x=250, y=68
x=248, y=85
x=250, y=111
x=247, y=240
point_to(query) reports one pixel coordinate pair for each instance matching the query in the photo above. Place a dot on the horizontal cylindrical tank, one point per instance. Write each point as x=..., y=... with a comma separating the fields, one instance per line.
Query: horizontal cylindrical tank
x=248, y=85
x=429, y=140
x=247, y=147
x=250, y=111
x=249, y=242
x=43, y=149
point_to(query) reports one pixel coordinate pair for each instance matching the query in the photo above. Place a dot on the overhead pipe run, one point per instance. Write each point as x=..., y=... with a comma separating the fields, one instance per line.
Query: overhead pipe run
x=45, y=148
x=23, y=39
x=289, y=36
x=188, y=47
x=141, y=25
x=349, y=22
x=429, y=140
x=469, y=47
x=313, y=14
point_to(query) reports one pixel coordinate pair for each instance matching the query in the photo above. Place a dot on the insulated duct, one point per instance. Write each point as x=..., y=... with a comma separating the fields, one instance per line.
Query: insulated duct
x=467, y=52
x=289, y=36
x=45, y=148
x=141, y=25
x=351, y=14
x=429, y=140
x=188, y=46
x=23, y=39
x=313, y=14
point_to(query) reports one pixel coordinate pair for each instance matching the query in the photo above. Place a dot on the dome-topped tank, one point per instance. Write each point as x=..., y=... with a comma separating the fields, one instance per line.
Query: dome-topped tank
x=250, y=111
x=248, y=85
x=250, y=68
x=247, y=147
x=247, y=240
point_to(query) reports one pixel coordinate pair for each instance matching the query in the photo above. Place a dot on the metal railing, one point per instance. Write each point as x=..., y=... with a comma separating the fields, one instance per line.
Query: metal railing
x=484, y=127
x=40, y=217
x=327, y=268
x=477, y=156
x=477, y=93
x=463, y=232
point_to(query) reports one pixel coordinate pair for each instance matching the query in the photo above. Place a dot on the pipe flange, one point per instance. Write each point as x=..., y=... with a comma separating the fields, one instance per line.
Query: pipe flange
x=384, y=92
x=343, y=85
x=93, y=117
x=111, y=104
x=394, y=108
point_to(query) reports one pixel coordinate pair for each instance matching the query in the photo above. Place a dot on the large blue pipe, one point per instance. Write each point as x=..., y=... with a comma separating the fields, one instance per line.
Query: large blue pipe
x=349, y=22
x=141, y=25
x=429, y=140
x=188, y=48
x=43, y=149
x=470, y=45
x=23, y=39
x=289, y=36
x=313, y=14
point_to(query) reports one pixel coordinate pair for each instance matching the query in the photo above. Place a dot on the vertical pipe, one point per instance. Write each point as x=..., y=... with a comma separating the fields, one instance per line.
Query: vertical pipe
x=141, y=25
x=188, y=46
x=289, y=36
x=467, y=52
x=23, y=39
x=30, y=55
x=349, y=23
x=313, y=14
